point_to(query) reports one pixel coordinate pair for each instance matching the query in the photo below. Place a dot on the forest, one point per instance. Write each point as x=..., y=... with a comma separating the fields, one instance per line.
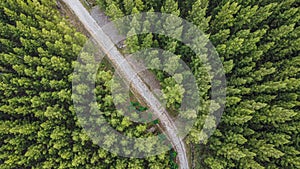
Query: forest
x=258, y=44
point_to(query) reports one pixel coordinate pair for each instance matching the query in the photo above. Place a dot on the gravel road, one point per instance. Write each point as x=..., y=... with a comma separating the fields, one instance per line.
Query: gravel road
x=128, y=74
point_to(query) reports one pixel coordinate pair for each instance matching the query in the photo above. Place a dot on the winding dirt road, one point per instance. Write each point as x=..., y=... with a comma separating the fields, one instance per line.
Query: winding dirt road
x=128, y=73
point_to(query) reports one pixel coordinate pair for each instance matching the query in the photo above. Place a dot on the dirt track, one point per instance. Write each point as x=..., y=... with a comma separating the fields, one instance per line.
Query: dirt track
x=129, y=74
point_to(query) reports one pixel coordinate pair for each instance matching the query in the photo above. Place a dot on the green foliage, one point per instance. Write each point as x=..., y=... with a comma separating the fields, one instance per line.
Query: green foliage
x=258, y=43
x=39, y=127
x=113, y=11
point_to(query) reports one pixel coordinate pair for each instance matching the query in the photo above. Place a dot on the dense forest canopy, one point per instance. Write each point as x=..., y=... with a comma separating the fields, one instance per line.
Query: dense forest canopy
x=39, y=126
x=257, y=41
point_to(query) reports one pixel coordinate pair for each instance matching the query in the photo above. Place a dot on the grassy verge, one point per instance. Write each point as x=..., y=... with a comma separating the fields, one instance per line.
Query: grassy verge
x=189, y=154
x=71, y=18
x=86, y=4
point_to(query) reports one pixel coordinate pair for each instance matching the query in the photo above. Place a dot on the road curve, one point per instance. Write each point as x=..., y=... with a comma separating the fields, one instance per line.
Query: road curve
x=129, y=74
